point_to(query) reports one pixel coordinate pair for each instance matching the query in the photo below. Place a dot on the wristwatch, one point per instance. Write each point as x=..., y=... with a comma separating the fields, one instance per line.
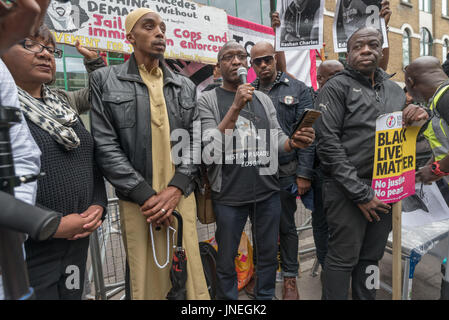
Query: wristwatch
x=435, y=167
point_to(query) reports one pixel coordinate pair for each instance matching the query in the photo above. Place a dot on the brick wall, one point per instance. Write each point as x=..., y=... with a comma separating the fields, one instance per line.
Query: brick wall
x=440, y=29
x=403, y=14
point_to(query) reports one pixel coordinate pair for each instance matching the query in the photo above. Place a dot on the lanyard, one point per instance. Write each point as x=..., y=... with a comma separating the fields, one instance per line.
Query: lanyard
x=168, y=246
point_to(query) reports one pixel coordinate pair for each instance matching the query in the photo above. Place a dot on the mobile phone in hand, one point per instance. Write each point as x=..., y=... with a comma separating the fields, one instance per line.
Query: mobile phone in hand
x=307, y=119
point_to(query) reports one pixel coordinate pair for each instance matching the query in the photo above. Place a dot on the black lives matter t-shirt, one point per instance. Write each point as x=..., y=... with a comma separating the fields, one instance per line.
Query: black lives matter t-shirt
x=242, y=182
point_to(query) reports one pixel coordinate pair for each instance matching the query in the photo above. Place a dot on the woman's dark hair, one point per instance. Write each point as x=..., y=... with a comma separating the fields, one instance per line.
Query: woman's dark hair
x=45, y=34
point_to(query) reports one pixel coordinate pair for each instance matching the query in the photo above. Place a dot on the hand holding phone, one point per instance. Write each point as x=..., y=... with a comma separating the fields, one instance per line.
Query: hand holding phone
x=307, y=119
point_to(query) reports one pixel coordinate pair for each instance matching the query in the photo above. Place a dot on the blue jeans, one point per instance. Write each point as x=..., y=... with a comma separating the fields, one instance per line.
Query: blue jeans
x=230, y=221
x=288, y=235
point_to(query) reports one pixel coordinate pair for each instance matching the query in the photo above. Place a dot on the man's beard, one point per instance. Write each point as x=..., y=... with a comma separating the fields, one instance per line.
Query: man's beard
x=157, y=56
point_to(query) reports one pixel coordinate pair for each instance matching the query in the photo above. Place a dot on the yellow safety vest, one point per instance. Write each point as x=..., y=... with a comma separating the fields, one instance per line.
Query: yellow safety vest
x=437, y=129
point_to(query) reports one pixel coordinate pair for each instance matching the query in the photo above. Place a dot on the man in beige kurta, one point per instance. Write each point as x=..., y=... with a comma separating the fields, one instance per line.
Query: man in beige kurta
x=136, y=158
x=146, y=275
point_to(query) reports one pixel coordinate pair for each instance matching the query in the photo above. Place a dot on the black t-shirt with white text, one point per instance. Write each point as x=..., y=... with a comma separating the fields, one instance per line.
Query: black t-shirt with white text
x=241, y=182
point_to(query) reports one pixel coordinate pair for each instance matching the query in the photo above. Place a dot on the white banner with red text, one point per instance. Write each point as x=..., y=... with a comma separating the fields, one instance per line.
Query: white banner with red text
x=194, y=32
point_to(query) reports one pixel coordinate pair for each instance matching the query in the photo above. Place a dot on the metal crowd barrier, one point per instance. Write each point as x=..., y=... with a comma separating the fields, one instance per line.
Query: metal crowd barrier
x=106, y=270
x=105, y=273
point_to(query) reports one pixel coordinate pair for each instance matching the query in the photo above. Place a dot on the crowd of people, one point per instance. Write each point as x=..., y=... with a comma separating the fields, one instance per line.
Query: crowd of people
x=257, y=162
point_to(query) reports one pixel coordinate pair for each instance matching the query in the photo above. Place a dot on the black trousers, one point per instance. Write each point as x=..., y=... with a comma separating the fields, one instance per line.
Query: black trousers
x=56, y=268
x=319, y=222
x=355, y=246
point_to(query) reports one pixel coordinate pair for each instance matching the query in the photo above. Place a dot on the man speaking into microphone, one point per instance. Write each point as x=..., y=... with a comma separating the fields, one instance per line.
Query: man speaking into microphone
x=241, y=139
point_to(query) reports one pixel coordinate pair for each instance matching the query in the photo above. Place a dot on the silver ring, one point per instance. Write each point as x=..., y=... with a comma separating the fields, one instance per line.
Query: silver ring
x=163, y=210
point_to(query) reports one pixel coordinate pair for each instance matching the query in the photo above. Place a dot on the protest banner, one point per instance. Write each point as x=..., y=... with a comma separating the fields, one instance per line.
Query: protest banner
x=394, y=158
x=351, y=15
x=301, y=63
x=301, y=24
x=394, y=177
x=194, y=32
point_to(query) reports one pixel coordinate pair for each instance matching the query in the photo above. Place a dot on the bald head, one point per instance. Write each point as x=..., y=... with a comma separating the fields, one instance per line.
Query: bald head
x=263, y=61
x=423, y=66
x=327, y=69
x=261, y=49
x=423, y=77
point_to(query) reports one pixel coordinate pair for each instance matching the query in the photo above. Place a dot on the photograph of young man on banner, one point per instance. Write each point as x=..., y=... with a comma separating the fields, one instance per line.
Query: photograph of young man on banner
x=301, y=24
x=352, y=15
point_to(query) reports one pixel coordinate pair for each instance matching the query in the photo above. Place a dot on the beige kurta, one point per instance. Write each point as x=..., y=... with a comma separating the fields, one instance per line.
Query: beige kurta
x=146, y=279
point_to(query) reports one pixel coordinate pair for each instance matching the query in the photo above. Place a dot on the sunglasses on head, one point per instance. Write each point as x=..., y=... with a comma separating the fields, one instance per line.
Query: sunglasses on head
x=266, y=59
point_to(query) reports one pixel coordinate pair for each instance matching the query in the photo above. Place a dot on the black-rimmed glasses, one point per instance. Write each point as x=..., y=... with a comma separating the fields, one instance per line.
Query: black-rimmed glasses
x=229, y=57
x=37, y=47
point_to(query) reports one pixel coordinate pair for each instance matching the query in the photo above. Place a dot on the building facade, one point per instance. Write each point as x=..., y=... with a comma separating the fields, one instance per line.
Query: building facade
x=417, y=28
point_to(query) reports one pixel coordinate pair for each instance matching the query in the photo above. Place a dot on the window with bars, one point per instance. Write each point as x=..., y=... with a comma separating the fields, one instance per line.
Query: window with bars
x=425, y=5
x=426, y=43
x=257, y=11
x=70, y=71
x=445, y=49
x=406, y=48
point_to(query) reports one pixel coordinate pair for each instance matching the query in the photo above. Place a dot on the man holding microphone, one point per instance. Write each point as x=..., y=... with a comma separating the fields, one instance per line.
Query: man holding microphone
x=240, y=137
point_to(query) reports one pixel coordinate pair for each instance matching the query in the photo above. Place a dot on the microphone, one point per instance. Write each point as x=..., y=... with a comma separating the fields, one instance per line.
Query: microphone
x=242, y=73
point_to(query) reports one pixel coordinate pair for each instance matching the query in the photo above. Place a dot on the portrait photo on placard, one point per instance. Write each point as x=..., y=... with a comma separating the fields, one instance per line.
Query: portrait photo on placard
x=301, y=24
x=351, y=15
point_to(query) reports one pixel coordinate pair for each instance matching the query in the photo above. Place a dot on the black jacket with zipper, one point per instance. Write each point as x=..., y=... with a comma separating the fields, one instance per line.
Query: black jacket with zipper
x=121, y=127
x=346, y=130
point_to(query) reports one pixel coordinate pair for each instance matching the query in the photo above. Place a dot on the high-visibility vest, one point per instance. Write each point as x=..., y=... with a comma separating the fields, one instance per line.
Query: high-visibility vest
x=437, y=130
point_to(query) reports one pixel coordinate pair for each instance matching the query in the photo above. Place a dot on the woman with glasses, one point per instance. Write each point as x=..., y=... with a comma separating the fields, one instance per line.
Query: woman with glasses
x=72, y=185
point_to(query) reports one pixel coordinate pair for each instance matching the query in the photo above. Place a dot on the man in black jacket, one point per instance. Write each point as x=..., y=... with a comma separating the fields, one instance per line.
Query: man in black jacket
x=290, y=97
x=359, y=223
x=136, y=107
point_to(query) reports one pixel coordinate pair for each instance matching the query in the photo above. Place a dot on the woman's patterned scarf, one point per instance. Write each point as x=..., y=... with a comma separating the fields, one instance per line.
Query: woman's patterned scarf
x=53, y=115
